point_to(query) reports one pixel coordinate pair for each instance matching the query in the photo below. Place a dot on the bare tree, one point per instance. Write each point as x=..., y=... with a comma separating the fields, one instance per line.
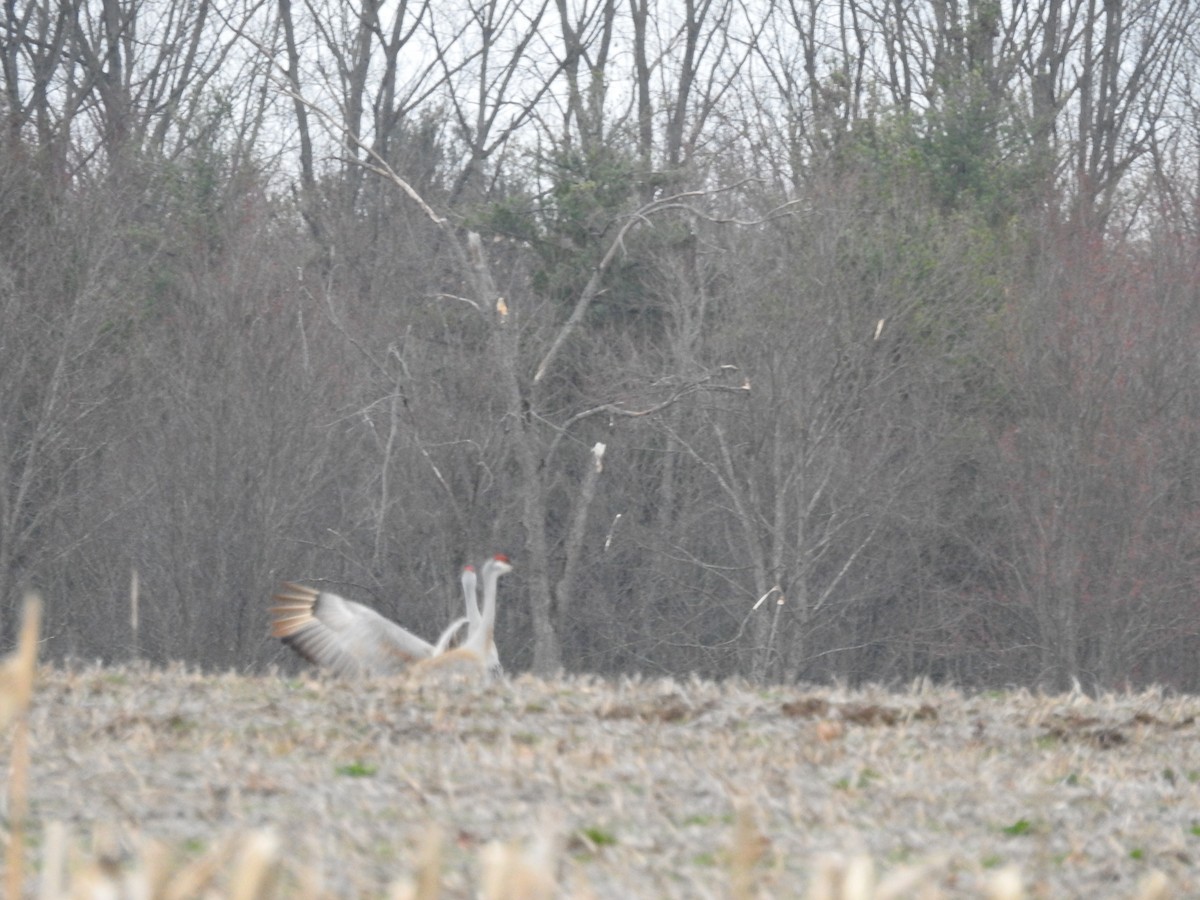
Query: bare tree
x=1092, y=469
x=587, y=39
x=57, y=365
x=1131, y=58
x=867, y=409
x=499, y=99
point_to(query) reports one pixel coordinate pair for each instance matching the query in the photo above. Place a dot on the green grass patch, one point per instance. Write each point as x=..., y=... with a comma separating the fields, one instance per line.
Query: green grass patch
x=357, y=769
x=1018, y=828
x=601, y=837
x=705, y=819
x=863, y=780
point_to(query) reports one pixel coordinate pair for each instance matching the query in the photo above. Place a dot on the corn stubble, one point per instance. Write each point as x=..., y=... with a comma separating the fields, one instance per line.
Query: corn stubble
x=174, y=784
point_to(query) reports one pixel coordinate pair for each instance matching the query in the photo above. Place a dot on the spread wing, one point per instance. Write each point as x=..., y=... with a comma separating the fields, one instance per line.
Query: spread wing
x=341, y=635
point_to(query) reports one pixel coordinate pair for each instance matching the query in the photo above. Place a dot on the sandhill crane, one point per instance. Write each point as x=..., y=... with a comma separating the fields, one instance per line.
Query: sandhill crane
x=474, y=619
x=478, y=653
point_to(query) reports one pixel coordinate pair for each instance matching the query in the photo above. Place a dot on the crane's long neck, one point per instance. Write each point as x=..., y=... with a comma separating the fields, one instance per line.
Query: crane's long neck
x=491, y=574
x=474, y=619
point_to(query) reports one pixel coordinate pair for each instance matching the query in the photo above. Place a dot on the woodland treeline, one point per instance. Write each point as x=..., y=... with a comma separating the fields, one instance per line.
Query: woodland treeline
x=886, y=315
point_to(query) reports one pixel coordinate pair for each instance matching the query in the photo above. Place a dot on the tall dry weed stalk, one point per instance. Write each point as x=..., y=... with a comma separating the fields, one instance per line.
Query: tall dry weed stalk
x=428, y=883
x=513, y=872
x=16, y=690
x=134, y=624
x=856, y=878
x=749, y=848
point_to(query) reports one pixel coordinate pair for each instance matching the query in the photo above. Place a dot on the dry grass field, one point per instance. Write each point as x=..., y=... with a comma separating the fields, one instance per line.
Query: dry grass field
x=172, y=783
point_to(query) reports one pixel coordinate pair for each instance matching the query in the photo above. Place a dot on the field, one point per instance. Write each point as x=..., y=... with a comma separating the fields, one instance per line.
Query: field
x=226, y=785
